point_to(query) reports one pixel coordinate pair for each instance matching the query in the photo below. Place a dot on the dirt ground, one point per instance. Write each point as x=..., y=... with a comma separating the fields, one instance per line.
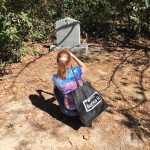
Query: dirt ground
x=31, y=119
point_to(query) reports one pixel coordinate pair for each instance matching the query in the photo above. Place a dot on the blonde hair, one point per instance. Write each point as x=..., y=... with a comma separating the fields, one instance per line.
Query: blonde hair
x=63, y=60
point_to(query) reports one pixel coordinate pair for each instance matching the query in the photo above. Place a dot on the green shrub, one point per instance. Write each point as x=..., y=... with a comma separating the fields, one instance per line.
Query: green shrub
x=21, y=20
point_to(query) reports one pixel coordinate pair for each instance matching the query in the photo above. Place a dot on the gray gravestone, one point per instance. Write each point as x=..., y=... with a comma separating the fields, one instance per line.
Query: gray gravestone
x=68, y=36
x=68, y=32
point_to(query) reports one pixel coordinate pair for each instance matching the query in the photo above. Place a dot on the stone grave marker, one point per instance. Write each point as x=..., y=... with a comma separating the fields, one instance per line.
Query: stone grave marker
x=68, y=36
x=68, y=32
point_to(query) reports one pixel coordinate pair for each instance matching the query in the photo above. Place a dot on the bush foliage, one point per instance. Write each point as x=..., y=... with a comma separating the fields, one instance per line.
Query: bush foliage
x=21, y=20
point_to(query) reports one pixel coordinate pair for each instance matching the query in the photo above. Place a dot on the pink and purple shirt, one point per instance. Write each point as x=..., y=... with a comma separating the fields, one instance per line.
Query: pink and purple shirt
x=68, y=85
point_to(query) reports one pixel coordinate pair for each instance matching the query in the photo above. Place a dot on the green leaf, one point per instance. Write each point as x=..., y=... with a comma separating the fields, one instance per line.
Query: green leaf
x=146, y=3
x=4, y=23
x=10, y=126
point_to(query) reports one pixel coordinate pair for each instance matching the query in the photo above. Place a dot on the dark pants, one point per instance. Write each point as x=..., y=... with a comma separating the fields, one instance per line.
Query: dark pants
x=60, y=98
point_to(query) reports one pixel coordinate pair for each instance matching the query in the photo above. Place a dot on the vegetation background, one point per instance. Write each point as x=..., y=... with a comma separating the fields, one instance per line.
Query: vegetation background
x=34, y=20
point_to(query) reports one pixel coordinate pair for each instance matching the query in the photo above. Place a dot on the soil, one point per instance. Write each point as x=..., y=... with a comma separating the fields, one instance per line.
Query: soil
x=31, y=119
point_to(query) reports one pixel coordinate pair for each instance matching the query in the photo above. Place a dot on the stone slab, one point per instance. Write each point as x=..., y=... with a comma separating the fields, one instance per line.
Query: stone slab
x=82, y=49
x=68, y=32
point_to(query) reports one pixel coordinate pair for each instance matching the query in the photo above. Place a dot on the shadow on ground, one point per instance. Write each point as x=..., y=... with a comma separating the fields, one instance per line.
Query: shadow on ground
x=48, y=106
x=139, y=127
x=133, y=53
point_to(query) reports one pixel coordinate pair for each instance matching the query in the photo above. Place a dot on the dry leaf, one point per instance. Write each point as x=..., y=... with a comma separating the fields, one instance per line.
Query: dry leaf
x=87, y=137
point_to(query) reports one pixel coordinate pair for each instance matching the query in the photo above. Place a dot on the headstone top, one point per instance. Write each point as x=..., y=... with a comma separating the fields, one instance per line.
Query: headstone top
x=68, y=32
x=67, y=19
